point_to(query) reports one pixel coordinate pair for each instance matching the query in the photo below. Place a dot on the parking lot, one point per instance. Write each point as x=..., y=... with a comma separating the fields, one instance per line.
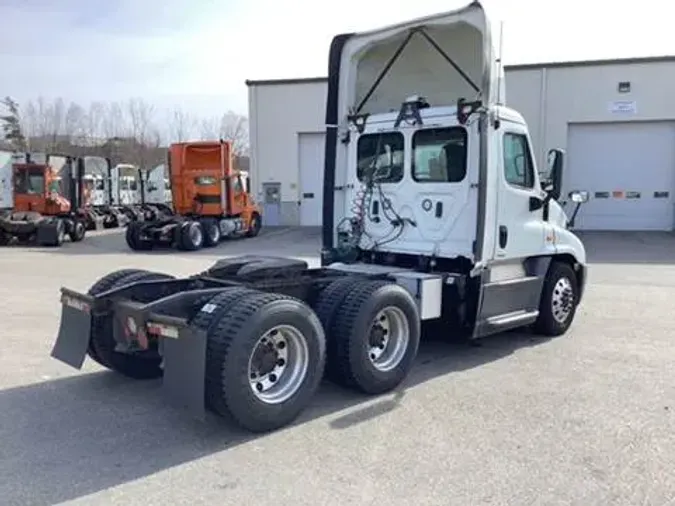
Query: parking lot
x=584, y=419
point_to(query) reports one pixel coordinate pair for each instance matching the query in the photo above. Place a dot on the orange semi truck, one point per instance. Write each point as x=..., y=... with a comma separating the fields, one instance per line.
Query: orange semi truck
x=41, y=213
x=211, y=201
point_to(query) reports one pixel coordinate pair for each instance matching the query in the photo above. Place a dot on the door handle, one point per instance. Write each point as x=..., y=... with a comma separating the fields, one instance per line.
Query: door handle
x=503, y=236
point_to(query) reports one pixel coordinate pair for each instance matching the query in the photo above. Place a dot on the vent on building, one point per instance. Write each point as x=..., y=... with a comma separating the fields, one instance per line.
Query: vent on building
x=624, y=87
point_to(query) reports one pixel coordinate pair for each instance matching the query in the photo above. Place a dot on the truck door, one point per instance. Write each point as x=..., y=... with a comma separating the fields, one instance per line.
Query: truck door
x=510, y=295
x=520, y=229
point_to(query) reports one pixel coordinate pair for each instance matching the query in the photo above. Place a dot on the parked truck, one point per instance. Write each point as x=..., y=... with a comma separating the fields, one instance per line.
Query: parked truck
x=45, y=203
x=209, y=199
x=98, y=199
x=433, y=213
x=156, y=196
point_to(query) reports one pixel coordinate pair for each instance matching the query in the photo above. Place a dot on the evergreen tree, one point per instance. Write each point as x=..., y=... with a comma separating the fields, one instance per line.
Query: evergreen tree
x=11, y=125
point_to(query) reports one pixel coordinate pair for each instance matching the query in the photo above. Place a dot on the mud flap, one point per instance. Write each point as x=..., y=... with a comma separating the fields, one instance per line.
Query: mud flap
x=185, y=369
x=72, y=341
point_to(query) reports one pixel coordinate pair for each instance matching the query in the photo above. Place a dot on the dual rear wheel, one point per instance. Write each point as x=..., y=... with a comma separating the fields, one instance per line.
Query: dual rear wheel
x=266, y=352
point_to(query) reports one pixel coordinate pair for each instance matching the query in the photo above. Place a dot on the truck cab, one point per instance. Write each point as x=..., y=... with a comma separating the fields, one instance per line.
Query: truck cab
x=38, y=188
x=427, y=169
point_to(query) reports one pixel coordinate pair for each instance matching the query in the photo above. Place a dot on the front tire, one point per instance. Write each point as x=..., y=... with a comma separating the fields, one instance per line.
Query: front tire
x=78, y=232
x=559, y=299
x=265, y=360
x=254, y=226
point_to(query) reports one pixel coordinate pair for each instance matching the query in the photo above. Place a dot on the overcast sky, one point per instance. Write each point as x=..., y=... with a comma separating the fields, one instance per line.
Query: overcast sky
x=199, y=53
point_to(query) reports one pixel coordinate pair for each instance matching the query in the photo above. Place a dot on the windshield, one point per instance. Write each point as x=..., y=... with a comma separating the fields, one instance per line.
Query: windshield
x=29, y=181
x=380, y=156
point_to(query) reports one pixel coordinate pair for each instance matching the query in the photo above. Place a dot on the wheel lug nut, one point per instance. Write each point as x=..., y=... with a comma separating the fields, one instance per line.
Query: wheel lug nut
x=281, y=345
x=259, y=387
x=281, y=362
x=273, y=377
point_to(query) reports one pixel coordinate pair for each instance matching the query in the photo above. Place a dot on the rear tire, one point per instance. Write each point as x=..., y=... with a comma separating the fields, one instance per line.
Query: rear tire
x=142, y=365
x=133, y=237
x=559, y=299
x=376, y=335
x=107, y=282
x=212, y=234
x=191, y=236
x=265, y=360
x=326, y=307
x=51, y=232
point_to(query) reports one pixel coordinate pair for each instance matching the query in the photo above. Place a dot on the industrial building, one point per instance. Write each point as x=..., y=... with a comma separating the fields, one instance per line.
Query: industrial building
x=614, y=118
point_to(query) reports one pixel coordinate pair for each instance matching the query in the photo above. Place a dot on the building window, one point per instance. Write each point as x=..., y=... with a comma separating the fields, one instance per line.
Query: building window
x=518, y=167
x=380, y=156
x=439, y=155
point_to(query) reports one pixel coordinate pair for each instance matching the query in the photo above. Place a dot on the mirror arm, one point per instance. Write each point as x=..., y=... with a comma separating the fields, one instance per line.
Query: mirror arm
x=570, y=222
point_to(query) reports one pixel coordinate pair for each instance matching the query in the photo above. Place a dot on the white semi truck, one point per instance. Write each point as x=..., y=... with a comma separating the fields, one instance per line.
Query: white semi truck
x=434, y=211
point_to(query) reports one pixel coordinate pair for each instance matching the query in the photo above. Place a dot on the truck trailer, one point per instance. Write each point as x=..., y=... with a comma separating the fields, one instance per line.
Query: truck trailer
x=434, y=211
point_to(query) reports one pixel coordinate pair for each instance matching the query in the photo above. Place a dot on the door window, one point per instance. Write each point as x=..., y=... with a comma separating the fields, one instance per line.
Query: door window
x=518, y=166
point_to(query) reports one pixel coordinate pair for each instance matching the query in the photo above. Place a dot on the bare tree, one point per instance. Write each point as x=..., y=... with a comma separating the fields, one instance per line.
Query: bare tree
x=93, y=124
x=144, y=136
x=234, y=128
x=209, y=129
x=114, y=122
x=75, y=124
x=181, y=125
x=230, y=127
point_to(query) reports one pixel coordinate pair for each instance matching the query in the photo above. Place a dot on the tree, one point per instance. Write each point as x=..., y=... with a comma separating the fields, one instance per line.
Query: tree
x=11, y=125
x=181, y=126
x=231, y=127
x=234, y=128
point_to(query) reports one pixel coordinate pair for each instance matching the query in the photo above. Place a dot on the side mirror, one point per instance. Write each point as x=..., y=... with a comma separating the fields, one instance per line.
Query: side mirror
x=551, y=183
x=578, y=197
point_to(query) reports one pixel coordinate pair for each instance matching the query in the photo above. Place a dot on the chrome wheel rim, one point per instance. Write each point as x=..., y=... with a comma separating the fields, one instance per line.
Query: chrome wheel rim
x=278, y=364
x=215, y=233
x=388, y=338
x=562, y=300
x=196, y=236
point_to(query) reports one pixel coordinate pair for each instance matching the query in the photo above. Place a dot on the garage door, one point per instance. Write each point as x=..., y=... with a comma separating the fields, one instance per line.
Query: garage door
x=311, y=155
x=629, y=171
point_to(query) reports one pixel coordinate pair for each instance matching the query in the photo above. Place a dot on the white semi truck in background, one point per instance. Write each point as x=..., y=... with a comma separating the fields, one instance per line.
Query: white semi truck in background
x=434, y=212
